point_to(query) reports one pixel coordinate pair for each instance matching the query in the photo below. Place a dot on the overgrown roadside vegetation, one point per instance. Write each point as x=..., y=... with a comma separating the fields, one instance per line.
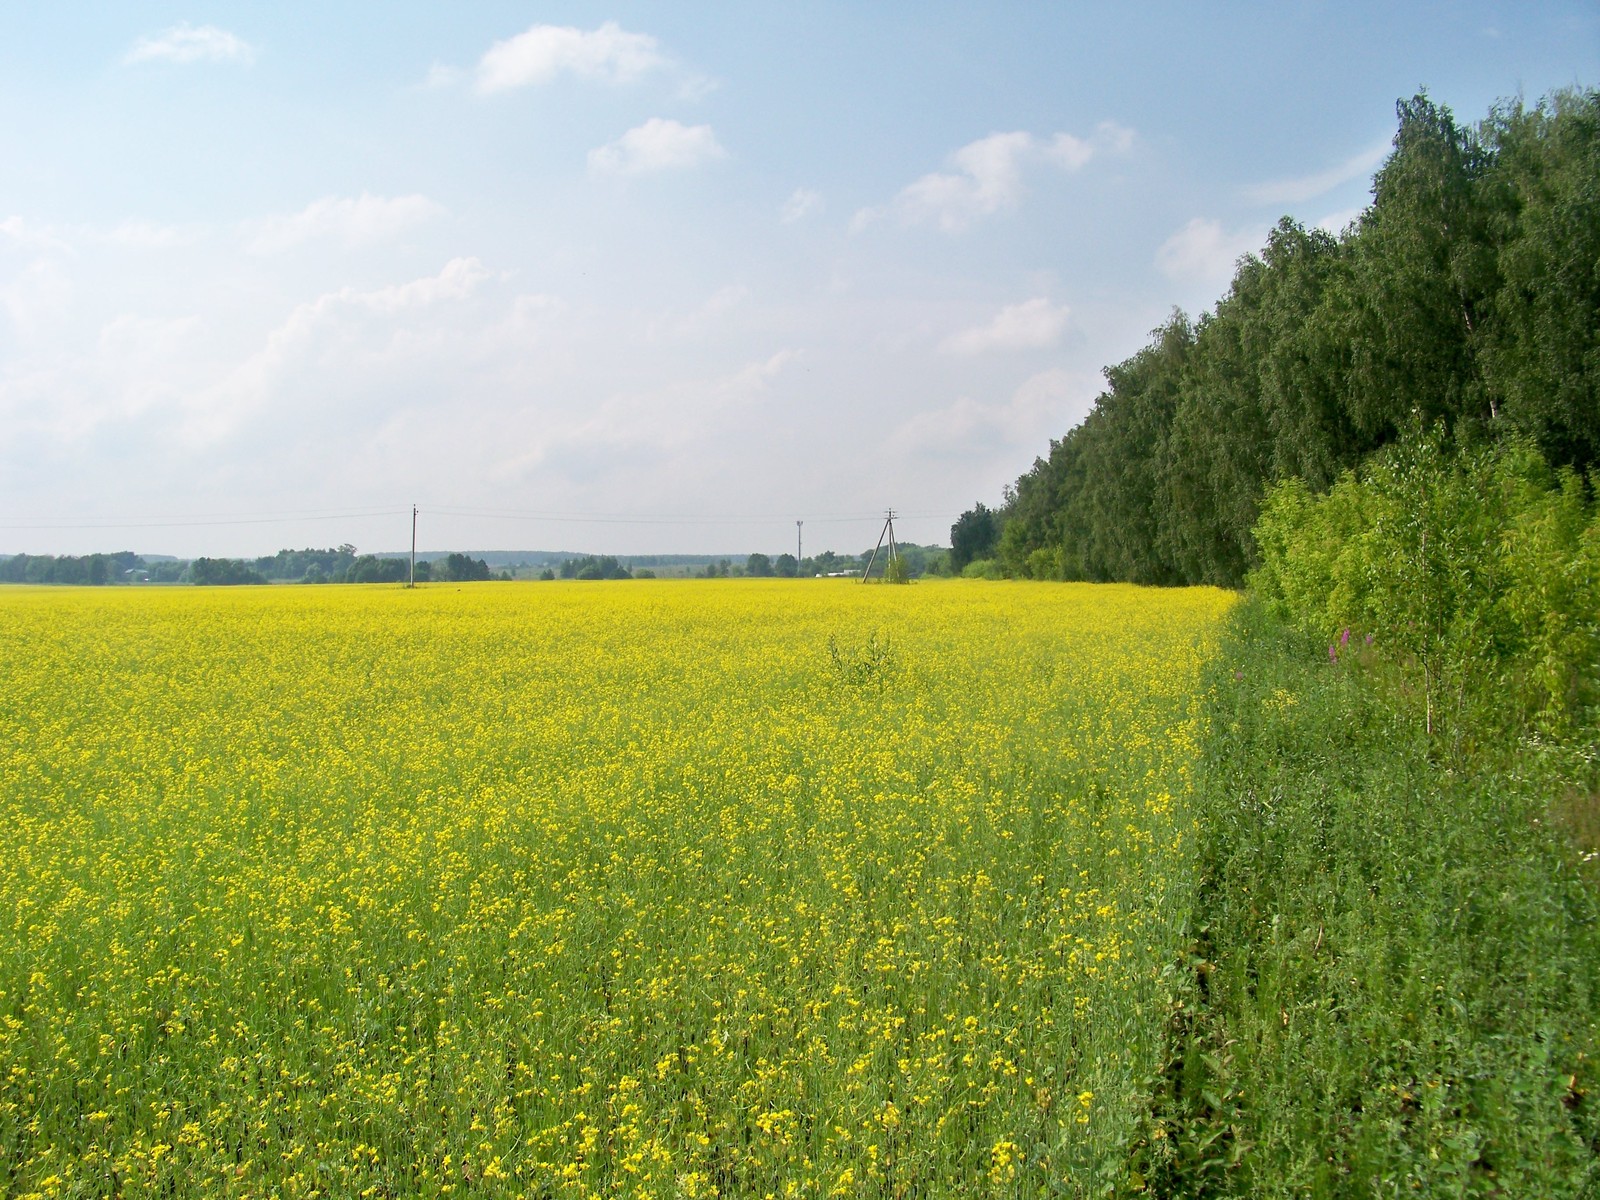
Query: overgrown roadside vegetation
x=1394, y=972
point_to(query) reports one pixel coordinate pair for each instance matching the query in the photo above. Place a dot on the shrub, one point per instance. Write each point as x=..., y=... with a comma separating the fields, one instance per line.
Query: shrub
x=1479, y=570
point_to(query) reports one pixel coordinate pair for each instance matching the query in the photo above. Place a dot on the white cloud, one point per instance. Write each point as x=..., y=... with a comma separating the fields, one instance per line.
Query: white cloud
x=1032, y=325
x=1335, y=222
x=361, y=346
x=352, y=220
x=442, y=75
x=610, y=54
x=1070, y=152
x=147, y=235
x=1113, y=138
x=457, y=280
x=1203, y=252
x=21, y=232
x=1309, y=187
x=657, y=145
x=987, y=176
x=138, y=360
x=185, y=43
x=696, y=88
x=128, y=234
x=37, y=297
x=802, y=203
x=644, y=431
x=710, y=317
x=987, y=179
x=1044, y=405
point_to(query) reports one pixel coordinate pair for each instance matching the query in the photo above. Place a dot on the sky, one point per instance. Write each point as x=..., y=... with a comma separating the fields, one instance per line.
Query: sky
x=639, y=278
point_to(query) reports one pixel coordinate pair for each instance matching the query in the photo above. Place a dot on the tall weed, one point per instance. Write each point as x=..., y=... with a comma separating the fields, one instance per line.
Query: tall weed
x=1394, y=973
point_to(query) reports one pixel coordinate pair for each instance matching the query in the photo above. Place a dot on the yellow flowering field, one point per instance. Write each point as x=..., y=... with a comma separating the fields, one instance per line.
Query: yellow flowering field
x=674, y=888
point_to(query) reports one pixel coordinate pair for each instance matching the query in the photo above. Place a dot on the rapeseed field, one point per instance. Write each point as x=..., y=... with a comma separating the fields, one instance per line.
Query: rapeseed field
x=723, y=888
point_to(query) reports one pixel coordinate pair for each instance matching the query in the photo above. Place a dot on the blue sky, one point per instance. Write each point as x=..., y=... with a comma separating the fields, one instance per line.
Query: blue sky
x=630, y=278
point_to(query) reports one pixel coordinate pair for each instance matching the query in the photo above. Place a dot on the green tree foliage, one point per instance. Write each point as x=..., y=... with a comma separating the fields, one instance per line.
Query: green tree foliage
x=1466, y=299
x=369, y=568
x=593, y=567
x=1422, y=279
x=758, y=566
x=1479, y=572
x=974, y=535
x=308, y=565
x=89, y=570
x=223, y=572
x=459, y=568
x=1542, y=350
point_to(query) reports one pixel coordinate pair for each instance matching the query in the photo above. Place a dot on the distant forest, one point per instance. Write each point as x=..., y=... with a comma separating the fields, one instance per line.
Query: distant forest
x=1464, y=303
x=338, y=565
x=343, y=564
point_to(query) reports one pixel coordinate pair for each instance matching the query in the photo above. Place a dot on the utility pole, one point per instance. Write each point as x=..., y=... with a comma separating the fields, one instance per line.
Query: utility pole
x=798, y=556
x=413, y=582
x=894, y=553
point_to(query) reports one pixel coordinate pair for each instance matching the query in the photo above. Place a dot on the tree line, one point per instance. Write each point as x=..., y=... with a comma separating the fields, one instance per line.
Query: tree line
x=334, y=565
x=342, y=564
x=1464, y=303
x=918, y=560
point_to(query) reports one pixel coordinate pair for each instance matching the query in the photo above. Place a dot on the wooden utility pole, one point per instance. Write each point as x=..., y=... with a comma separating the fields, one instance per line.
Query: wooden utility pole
x=413, y=582
x=798, y=556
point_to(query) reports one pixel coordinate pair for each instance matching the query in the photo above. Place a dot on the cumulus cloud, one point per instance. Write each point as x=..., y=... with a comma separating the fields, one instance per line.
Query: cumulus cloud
x=609, y=54
x=1048, y=401
x=710, y=317
x=637, y=432
x=802, y=203
x=1203, y=252
x=351, y=343
x=185, y=43
x=657, y=145
x=457, y=280
x=134, y=234
x=986, y=176
x=128, y=234
x=1309, y=187
x=37, y=296
x=352, y=220
x=1034, y=324
x=138, y=359
x=17, y=231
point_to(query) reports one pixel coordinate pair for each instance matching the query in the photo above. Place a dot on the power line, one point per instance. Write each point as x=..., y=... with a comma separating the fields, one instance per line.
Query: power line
x=681, y=519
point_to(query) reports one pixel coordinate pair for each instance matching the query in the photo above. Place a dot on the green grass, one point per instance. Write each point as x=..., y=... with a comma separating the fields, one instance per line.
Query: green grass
x=1394, y=975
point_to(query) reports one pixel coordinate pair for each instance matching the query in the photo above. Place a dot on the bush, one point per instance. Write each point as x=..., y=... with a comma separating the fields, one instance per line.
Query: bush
x=1044, y=563
x=1477, y=571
